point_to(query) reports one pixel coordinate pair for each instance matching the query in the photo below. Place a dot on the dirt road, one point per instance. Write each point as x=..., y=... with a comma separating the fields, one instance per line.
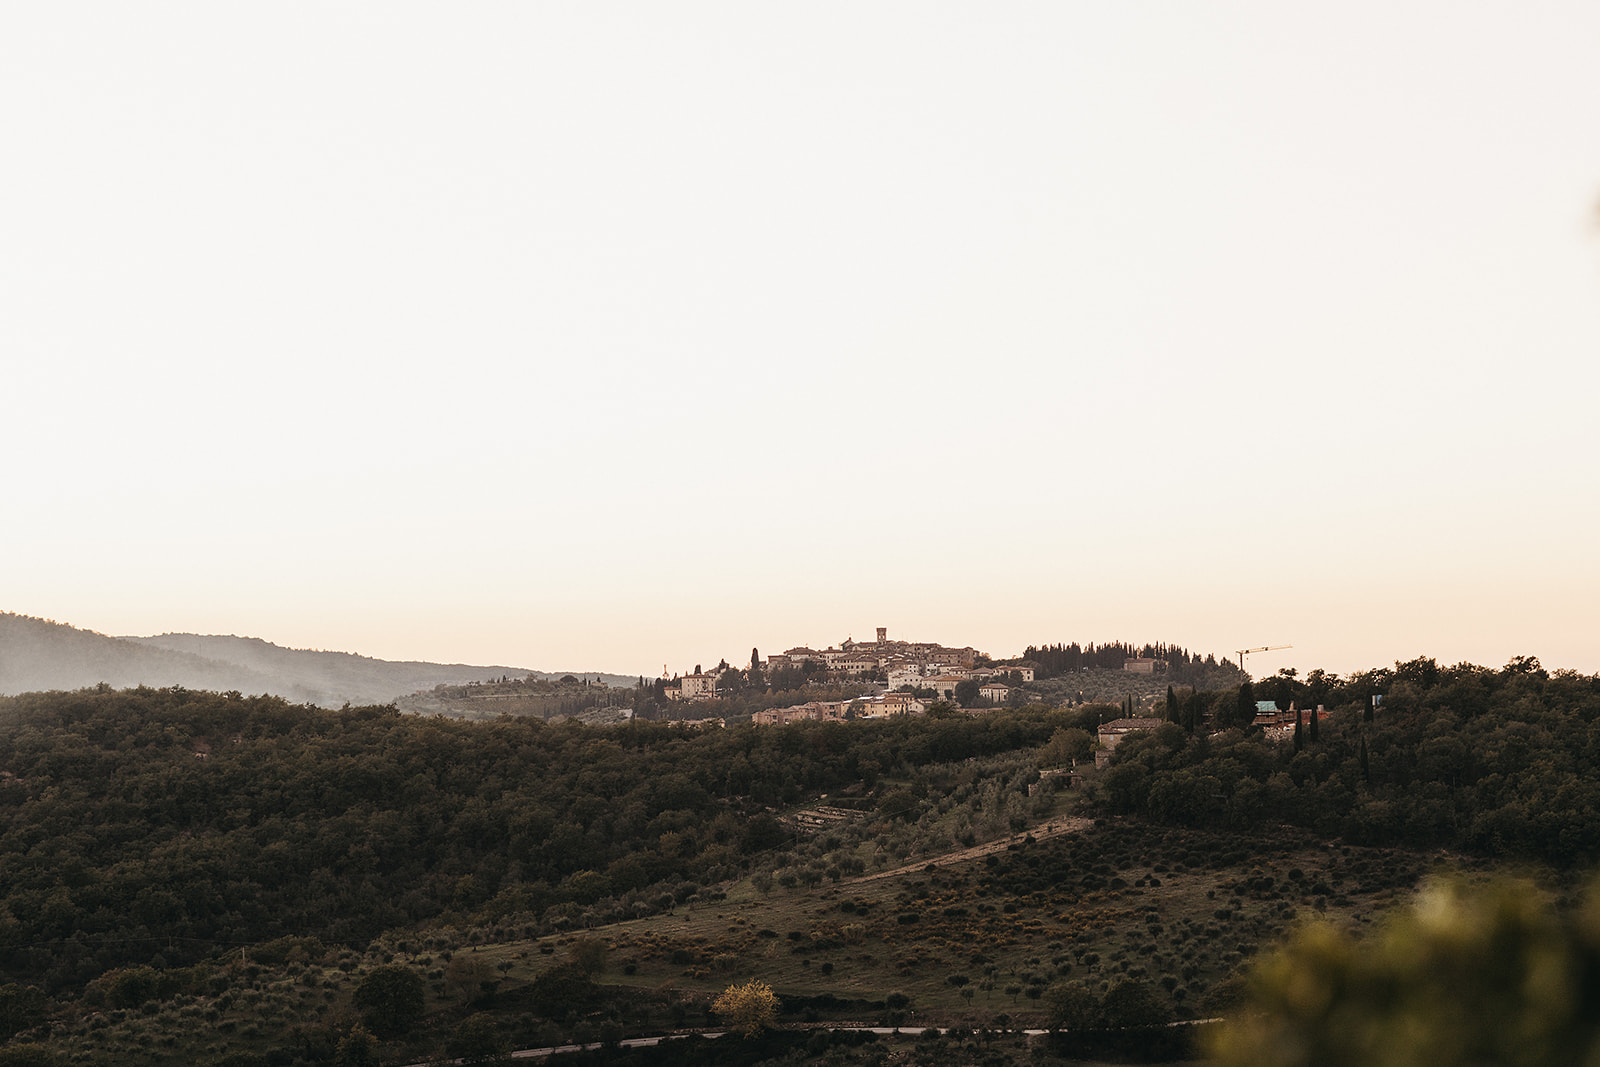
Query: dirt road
x=1049, y=828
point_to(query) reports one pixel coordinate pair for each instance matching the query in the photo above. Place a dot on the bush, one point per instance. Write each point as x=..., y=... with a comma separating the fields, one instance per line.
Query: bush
x=749, y=1008
x=390, y=999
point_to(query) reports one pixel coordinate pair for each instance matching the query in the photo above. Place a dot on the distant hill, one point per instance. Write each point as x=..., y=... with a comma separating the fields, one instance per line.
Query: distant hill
x=40, y=654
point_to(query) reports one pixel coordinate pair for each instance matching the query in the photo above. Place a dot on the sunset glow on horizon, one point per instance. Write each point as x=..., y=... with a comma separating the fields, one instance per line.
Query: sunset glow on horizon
x=607, y=338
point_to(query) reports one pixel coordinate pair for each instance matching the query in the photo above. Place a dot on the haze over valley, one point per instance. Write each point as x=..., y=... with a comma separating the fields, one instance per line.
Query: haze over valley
x=40, y=654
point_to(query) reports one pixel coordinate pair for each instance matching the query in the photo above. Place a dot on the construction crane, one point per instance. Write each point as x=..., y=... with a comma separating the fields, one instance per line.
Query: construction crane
x=1243, y=652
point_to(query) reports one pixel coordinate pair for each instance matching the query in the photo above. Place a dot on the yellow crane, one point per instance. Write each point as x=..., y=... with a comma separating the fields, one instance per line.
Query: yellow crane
x=1243, y=652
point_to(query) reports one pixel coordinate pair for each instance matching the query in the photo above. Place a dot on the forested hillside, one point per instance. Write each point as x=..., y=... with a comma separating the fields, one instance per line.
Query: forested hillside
x=172, y=822
x=1502, y=763
x=158, y=848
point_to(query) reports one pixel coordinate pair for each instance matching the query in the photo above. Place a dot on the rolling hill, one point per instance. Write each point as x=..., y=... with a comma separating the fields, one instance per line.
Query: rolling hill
x=41, y=654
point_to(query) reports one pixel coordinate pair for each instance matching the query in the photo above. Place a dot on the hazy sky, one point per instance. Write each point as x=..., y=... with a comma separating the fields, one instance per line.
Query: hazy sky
x=606, y=335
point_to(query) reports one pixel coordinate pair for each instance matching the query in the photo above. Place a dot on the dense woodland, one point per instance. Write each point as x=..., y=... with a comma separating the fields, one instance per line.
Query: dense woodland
x=1501, y=763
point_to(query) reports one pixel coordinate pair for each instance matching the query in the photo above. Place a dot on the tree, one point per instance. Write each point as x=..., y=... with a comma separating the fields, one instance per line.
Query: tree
x=130, y=986
x=20, y=1007
x=1192, y=710
x=1068, y=743
x=1133, y=1003
x=357, y=1049
x=588, y=954
x=1463, y=977
x=478, y=1041
x=1238, y=713
x=562, y=989
x=390, y=999
x=749, y=1008
x=1073, y=1006
x=467, y=976
x=27, y=1056
x=966, y=692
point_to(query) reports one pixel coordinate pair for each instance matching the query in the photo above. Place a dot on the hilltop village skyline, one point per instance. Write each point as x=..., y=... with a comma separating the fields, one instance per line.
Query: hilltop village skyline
x=900, y=663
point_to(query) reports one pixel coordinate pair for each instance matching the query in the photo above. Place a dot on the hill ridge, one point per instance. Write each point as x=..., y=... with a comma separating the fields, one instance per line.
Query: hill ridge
x=42, y=654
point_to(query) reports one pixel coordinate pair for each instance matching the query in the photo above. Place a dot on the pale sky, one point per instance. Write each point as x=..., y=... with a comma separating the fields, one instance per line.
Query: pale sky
x=602, y=336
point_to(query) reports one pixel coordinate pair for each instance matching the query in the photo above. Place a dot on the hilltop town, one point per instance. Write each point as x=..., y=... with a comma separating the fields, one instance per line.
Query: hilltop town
x=916, y=664
x=878, y=678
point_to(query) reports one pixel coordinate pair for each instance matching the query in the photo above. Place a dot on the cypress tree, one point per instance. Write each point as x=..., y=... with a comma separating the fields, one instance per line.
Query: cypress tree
x=1314, y=718
x=1245, y=708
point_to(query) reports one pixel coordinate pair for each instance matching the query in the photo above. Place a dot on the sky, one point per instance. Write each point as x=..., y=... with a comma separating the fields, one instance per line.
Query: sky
x=578, y=336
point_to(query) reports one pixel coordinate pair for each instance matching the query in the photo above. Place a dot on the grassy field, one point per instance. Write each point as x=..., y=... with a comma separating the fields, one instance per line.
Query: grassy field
x=977, y=938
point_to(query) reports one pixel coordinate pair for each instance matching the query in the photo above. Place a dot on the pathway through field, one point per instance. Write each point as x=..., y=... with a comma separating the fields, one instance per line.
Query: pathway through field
x=1048, y=828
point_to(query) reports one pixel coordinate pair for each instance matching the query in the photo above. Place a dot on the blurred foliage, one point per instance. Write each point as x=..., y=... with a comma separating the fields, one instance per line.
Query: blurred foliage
x=1463, y=977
